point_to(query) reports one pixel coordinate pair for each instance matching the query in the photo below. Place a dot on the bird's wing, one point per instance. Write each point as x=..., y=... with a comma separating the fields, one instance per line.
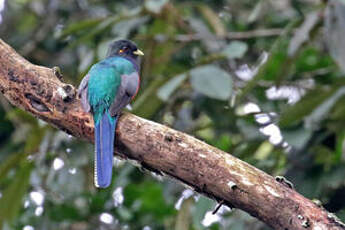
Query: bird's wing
x=82, y=93
x=127, y=90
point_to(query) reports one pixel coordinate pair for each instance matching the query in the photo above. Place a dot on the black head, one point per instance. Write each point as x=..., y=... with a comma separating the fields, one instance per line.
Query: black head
x=124, y=48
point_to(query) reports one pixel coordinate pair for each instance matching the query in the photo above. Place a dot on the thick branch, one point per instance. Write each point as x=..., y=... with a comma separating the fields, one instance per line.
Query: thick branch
x=208, y=170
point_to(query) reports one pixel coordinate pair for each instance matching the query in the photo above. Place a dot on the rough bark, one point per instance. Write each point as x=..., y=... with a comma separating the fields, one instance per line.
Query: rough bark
x=207, y=170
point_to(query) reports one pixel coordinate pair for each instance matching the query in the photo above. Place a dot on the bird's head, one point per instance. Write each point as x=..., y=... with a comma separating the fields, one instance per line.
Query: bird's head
x=124, y=48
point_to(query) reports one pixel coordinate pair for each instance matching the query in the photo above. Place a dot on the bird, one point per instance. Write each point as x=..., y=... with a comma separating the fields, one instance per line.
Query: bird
x=108, y=87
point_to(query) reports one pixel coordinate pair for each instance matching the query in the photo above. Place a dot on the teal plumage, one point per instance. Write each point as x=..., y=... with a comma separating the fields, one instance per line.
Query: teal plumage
x=104, y=82
x=105, y=90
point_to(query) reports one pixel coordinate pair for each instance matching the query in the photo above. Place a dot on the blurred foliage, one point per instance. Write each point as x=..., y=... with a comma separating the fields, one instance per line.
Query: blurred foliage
x=262, y=80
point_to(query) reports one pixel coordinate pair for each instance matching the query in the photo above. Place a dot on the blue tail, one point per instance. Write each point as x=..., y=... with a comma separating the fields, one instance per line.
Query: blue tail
x=104, y=149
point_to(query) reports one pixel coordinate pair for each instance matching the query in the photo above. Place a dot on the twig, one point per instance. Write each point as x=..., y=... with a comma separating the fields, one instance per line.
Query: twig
x=220, y=204
x=233, y=35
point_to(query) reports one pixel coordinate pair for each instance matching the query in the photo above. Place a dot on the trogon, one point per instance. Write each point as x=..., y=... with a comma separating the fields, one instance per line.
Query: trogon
x=108, y=87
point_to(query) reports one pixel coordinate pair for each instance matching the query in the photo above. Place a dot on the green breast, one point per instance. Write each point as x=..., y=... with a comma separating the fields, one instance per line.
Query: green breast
x=104, y=82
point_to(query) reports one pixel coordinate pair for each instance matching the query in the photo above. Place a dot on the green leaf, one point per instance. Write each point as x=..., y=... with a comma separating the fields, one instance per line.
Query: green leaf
x=340, y=146
x=264, y=150
x=168, y=88
x=80, y=26
x=33, y=141
x=278, y=64
x=302, y=34
x=65, y=211
x=258, y=11
x=151, y=198
x=236, y=49
x=123, y=28
x=99, y=28
x=155, y=6
x=211, y=81
x=10, y=162
x=322, y=111
x=21, y=115
x=11, y=201
x=213, y=19
x=304, y=107
x=202, y=206
x=335, y=31
x=184, y=215
x=297, y=138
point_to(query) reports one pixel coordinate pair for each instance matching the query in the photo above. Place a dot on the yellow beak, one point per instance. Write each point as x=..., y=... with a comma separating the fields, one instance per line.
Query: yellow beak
x=138, y=52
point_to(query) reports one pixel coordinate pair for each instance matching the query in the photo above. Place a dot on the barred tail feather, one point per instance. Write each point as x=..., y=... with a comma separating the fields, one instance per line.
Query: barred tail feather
x=104, y=149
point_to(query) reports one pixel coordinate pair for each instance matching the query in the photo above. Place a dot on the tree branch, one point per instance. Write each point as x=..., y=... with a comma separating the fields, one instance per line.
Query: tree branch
x=163, y=150
x=232, y=35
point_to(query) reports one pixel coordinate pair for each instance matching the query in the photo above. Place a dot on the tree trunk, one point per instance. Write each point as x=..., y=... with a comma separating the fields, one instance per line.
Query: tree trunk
x=208, y=170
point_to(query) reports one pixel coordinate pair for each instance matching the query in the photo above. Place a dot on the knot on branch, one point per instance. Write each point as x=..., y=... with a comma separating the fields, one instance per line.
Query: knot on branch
x=57, y=73
x=67, y=93
x=36, y=103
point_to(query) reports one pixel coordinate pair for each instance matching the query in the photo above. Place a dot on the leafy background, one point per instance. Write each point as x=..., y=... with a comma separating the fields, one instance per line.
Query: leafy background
x=262, y=80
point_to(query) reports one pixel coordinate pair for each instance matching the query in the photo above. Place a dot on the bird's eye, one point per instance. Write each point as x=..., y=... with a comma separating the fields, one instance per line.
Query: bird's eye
x=123, y=50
